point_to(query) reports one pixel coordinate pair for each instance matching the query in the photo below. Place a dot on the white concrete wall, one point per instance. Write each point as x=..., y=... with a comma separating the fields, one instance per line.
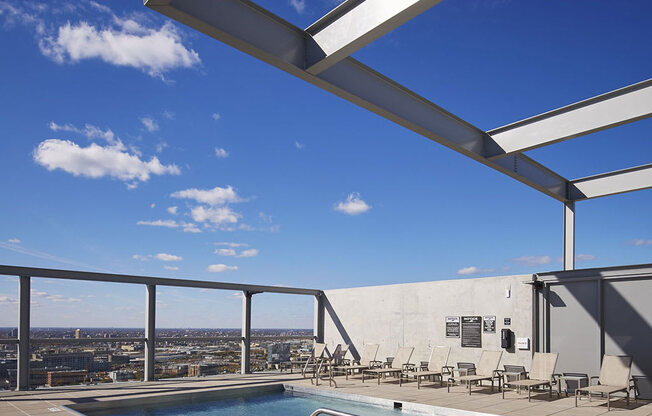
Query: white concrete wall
x=413, y=314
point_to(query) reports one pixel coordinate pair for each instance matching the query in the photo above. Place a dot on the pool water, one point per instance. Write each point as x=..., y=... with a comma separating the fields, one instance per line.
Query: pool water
x=282, y=403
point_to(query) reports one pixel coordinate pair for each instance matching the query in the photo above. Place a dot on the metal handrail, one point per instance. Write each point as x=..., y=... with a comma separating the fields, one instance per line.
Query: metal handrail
x=331, y=412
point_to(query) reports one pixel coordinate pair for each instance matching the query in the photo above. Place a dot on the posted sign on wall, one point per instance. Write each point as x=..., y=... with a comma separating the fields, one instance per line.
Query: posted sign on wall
x=489, y=324
x=452, y=327
x=472, y=331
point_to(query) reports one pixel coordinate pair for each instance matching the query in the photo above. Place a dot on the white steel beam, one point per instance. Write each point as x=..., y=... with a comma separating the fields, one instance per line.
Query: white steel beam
x=569, y=236
x=354, y=24
x=246, y=26
x=612, y=109
x=626, y=180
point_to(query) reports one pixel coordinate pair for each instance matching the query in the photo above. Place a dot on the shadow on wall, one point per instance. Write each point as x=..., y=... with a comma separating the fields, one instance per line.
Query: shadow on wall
x=340, y=327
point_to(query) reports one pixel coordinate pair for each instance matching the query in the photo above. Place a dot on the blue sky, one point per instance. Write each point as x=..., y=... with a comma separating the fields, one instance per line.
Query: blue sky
x=134, y=145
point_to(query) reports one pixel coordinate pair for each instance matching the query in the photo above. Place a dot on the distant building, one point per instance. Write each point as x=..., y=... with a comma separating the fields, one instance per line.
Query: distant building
x=77, y=333
x=120, y=376
x=63, y=378
x=71, y=360
x=13, y=333
x=203, y=369
x=118, y=359
x=278, y=353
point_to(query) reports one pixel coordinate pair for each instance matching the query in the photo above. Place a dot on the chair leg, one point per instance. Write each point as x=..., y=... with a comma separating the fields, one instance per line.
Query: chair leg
x=529, y=390
x=608, y=402
x=469, y=388
x=627, y=397
x=576, y=394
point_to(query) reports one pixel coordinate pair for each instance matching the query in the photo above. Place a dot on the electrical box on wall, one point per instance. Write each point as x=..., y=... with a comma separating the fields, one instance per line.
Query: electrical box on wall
x=523, y=343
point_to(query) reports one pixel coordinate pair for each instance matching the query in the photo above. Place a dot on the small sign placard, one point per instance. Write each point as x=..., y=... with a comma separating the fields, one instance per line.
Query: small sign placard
x=472, y=331
x=507, y=321
x=489, y=324
x=452, y=327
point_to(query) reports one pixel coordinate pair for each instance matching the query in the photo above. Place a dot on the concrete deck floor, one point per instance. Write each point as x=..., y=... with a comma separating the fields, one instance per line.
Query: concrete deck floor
x=51, y=401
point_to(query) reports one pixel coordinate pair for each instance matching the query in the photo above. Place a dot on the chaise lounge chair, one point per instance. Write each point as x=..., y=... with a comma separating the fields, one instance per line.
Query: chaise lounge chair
x=400, y=364
x=367, y=360
x=486, y=370
x=614, y=376
x=436, y=366
x=541, y=374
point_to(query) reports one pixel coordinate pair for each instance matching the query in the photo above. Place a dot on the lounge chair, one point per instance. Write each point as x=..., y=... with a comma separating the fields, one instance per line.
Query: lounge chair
x=367, y=360
x=541, y=374
x=436, y=366
x=614, y=377
x=486, y=370
x=400, y=364
x=316, y=360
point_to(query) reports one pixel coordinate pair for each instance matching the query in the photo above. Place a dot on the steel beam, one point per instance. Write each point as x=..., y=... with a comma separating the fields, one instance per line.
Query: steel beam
x=263, y=35
x=354, y=24
x=150, y=333
x=626, y=180
x=245, y=358
x=319, y=318
x=569, y=236
x=23, y=332
x=612, y=109
x=160, y=281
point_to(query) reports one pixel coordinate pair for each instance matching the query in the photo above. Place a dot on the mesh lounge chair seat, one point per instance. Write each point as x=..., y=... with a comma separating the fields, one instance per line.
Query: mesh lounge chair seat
x=541, y=374
x=436, y=365
x=486, y=370
x=614, y=376
x=367, y=361
x=400, y=364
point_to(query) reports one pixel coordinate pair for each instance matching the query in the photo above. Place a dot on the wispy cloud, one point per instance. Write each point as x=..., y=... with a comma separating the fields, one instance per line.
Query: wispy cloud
x=585, y=257
x=149, y=123
x=298, y=5
x=229, y=244
x=299, y=146
x=13, y=241
x=215, y=196
x=46, y=256
x=473, y=270
x=173, y=268
x=53, y=297
x=221, y=153
x=219, y=268
x=173, y=210
x=216, y=116
x=641, y=242
x=230, y=252
x=90, y=131
x=353, y=205
x=158, y=256
x=187, y=227
x=533, y=260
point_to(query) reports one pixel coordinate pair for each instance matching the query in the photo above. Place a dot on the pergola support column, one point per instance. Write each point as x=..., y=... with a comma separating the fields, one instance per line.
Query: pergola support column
x=569, y=236
x=319, y=318
x=150, y=333
x=23, y=332
x=245, y=359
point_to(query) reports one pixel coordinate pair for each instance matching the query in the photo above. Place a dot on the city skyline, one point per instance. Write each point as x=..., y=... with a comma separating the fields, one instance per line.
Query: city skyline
x=173, y=155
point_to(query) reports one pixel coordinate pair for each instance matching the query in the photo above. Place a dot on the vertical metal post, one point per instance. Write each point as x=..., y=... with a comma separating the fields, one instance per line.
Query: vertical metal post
x=319, y=318
x=150, y=333
x=246, y=333
x=23, y=333
x=569, y=236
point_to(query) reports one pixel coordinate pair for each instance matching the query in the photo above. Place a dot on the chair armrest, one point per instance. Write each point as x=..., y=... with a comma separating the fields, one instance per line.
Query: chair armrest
x=497, y=374
x=447, y=369
x=409, y=367
x=375, y=363
x=592, y=378
x=555, y=378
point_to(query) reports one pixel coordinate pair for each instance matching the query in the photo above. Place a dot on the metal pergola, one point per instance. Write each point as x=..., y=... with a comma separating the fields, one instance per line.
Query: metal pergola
x=320, y=55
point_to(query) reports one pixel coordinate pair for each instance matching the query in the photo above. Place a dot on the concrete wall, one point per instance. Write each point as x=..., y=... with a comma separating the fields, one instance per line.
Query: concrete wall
x=413, y=314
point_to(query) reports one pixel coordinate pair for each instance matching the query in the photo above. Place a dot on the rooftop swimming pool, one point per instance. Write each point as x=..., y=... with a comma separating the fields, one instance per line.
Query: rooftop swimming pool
x=274, y=403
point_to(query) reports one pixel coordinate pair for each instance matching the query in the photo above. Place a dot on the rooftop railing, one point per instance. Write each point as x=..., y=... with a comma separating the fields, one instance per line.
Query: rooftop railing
x=26, y=274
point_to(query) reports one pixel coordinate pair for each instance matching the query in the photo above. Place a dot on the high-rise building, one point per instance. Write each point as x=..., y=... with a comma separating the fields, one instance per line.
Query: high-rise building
x=77, y=333
x=72, y=360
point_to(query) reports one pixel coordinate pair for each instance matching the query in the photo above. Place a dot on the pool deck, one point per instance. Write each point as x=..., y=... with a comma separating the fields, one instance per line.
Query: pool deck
x=52, y=401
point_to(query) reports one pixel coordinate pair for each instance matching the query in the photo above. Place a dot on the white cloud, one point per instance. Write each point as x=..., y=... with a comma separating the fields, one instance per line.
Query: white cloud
x=97, y=161
x=299, y=5
x=215, y=215
x=160, y=223
x=173, y=210
x=215, y=196
x=473, y=270
x=299, y=146
x=216, y=116
x=171, y=267
x=90, y=131
x=585, y=257
x=225, y=252
x=248, y=253
x=170, y=115
x=149, y=123
x=353, y=205
x=158, y=256
x=127, y=43
x=533, y=260
x=228, y=244
x=13, y=241
x=53, y=297
x=640, y=242
x=187, y=227
x=218, y=268
x=8, y=299
x=221, y=153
